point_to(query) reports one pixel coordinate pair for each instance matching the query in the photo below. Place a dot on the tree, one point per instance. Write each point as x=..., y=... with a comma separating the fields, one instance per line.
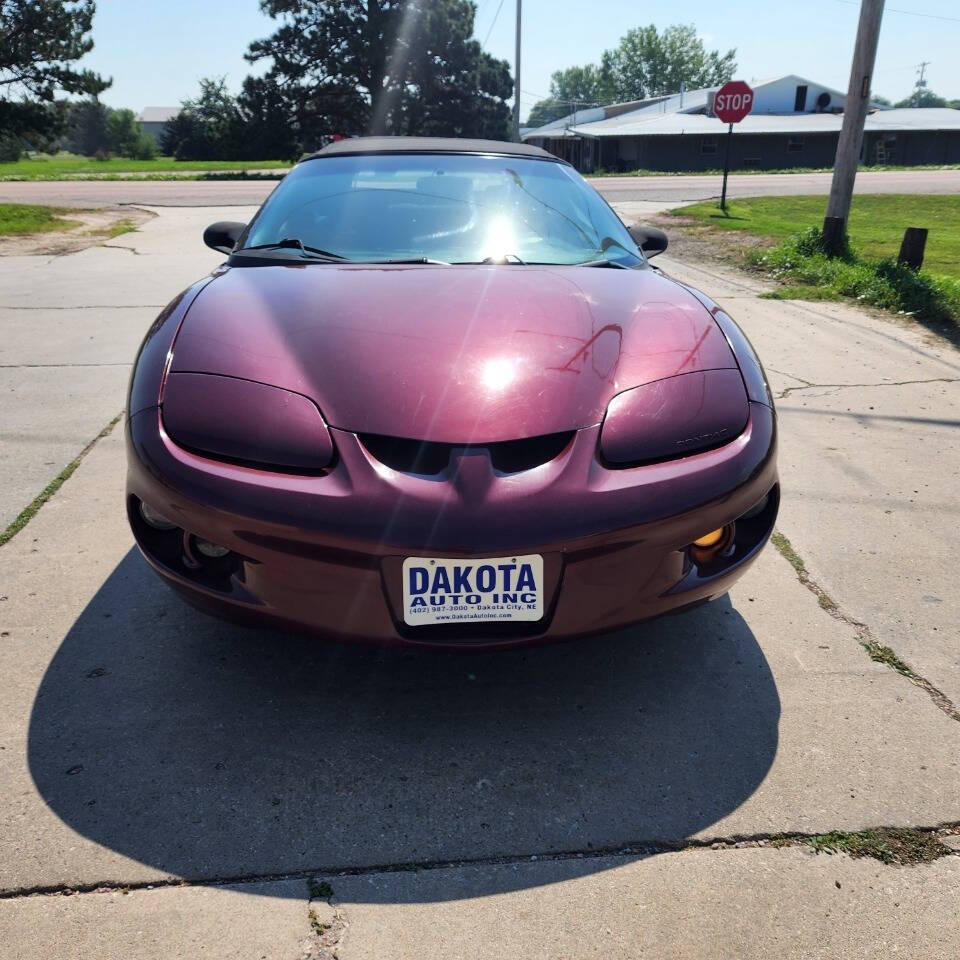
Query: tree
x=206, y=128
x=89, y=120
x=123, y=131
x=383, y=66
x=257, y=125
x=646, y=63
x=922, y=97
x=573, y=88
x=40, y=40
x=269, y=123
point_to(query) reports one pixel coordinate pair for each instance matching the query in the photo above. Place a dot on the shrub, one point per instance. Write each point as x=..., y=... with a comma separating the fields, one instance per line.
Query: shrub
x=11, y=148
x=122, y=132
x=881, y=283
x=144, y=148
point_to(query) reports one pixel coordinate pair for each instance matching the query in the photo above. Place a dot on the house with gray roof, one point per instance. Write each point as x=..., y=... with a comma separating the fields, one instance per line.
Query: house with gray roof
x=794, y=123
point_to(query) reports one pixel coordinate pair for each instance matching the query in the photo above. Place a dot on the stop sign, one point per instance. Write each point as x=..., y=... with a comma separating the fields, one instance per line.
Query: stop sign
x=733, y=101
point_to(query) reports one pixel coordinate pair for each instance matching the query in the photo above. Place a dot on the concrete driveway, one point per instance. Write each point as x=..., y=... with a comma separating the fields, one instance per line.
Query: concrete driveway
x=175, y=786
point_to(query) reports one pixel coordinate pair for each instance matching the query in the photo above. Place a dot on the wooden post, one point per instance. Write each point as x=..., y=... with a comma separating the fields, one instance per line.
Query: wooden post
x=834, y=235
x=911, y=250
x=854, y=114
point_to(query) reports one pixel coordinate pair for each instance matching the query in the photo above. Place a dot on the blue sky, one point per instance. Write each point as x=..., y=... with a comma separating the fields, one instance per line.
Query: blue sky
x=156, y=50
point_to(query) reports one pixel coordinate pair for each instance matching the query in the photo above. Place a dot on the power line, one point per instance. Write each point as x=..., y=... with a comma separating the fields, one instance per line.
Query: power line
x=492, y=24
x=910, y=13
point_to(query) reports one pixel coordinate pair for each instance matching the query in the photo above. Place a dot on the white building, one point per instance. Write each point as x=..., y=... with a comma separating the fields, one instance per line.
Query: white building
x=794, y=123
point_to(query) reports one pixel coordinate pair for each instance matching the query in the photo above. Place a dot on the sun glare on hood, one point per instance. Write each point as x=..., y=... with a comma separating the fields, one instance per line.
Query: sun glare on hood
x=498, y=373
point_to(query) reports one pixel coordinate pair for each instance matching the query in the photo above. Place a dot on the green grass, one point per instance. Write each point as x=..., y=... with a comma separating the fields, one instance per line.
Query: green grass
x=117, y=228
x=886, y=655
x=20, y=218
x=868, y=271
x=785, y=548
x=68, y=166
x=799, y=260
x=887, y=845
x=747, y=171
x=33, y=508
x=876, y=225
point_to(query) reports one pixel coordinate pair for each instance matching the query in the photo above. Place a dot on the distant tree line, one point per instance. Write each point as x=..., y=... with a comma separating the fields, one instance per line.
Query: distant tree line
x=40, y=41
x=334, y=67
x=349, y=67
x=645, y=63
x=923, y=97
x=96, y=130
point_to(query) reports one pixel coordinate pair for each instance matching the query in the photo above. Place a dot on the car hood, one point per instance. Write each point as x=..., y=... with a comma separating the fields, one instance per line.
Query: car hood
x=452, y=354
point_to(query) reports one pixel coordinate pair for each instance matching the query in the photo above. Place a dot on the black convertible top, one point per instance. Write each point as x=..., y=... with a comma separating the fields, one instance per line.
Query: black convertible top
x=364, y=145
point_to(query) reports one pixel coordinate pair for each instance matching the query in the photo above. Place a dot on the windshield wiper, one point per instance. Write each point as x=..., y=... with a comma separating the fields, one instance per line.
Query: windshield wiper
x=443, y=263
x=604, y=262
x=295, y=243
x=506, y=258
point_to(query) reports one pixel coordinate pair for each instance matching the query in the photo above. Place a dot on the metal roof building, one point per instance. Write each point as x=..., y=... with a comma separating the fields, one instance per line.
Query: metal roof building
x=794, y=123
x=152, y=119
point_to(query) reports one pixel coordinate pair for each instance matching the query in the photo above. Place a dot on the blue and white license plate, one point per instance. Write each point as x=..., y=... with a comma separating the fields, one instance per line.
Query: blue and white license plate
x=503, y=589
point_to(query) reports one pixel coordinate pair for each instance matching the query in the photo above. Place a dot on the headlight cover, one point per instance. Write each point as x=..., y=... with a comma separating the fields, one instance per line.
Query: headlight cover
x=241, y=420
x=674, y=417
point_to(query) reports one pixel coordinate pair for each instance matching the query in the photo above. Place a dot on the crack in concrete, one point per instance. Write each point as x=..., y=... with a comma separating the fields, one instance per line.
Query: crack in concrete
x=35, y=505
x=736, y=841
x=117, y=246
x=877, y=651
x=328, y=923
x=807, y=385
x=792, y=376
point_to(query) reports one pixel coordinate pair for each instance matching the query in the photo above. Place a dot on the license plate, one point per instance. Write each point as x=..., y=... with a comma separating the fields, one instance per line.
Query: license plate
x=500, y=589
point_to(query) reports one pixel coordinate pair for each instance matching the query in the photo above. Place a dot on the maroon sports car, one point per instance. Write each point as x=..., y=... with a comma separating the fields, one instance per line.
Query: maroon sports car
x=437, y=395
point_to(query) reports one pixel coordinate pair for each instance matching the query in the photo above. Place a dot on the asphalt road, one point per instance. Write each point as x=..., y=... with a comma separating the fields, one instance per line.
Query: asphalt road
x=679, y=189
x=522, y=804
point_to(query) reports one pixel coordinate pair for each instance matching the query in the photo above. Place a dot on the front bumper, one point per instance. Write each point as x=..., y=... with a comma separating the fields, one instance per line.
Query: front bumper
x=324, y=553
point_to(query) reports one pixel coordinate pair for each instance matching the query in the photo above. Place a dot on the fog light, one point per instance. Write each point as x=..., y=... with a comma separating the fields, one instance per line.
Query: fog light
x=712, y=544
x=710, y=539
x=155, y=519
x=210, y=550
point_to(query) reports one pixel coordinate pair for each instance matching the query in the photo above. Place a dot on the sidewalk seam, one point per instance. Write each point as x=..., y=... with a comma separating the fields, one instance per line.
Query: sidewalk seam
x=877, y=651
x=32, y=508
x=775, y=841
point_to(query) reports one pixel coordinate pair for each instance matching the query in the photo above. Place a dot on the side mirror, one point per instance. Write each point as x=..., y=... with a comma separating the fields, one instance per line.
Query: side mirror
x=223, y=235
x=649, y=239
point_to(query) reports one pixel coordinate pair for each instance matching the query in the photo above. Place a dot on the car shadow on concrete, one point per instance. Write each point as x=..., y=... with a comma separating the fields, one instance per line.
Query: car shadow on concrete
x=211, y=751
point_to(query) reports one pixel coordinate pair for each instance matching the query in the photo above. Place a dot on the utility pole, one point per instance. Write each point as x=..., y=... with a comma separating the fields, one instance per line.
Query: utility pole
x=851, y=133
x=516, y=93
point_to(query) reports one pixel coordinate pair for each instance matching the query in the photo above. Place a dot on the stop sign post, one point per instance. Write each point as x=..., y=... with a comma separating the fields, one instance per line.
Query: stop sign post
x=731, y=103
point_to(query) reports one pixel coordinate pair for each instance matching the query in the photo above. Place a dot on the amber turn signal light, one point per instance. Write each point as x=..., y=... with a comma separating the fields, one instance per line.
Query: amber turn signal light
x=710, y=539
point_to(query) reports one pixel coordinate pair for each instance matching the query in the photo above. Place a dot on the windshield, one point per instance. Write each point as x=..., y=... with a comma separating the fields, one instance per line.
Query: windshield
x=455, y=208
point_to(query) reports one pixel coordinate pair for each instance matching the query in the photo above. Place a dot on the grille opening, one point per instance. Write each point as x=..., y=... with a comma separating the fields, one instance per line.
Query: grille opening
x=428, y=458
